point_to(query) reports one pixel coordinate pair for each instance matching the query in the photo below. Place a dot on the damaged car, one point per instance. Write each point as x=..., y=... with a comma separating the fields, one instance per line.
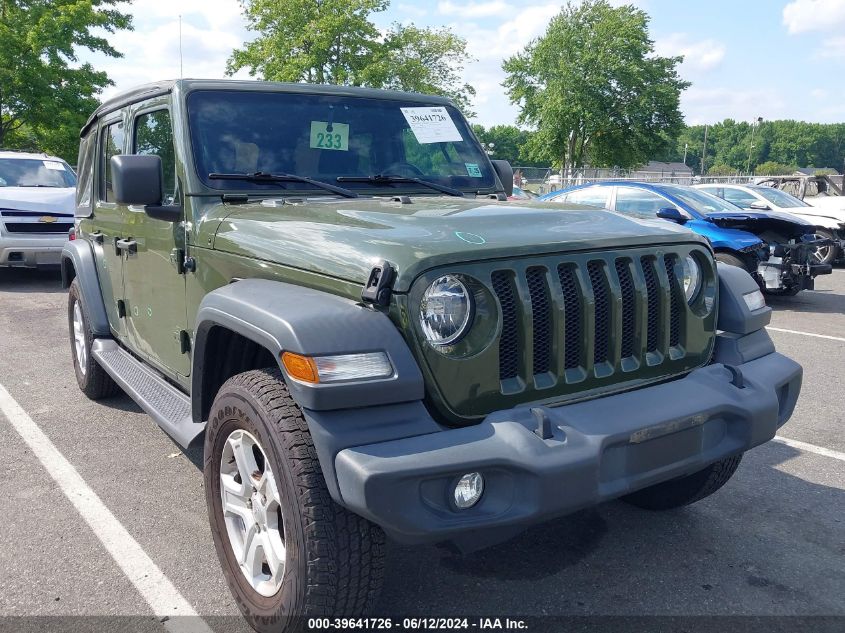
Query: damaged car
x=779, y=250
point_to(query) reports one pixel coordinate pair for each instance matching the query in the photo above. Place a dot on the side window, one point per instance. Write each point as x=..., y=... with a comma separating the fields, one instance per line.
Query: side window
x=739, y=198
x=154, y=136
x=111, y=145
x=85, y=170
x=639, y=202
x=592, y=197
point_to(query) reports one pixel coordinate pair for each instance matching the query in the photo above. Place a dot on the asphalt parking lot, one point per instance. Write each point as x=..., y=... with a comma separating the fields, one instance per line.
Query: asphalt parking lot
x=772, y=542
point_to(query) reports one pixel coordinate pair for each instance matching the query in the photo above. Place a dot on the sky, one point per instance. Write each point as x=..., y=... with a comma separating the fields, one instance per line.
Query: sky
x=774, y=59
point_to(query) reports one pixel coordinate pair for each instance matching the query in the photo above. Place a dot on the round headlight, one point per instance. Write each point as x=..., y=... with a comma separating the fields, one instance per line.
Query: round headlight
x=445, y=311
x=692, y=278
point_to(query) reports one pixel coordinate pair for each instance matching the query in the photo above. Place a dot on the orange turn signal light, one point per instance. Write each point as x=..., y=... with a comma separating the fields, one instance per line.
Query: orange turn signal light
x=300, y=367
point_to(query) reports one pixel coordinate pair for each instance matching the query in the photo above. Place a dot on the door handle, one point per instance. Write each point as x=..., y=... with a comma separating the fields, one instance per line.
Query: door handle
x=129, y=245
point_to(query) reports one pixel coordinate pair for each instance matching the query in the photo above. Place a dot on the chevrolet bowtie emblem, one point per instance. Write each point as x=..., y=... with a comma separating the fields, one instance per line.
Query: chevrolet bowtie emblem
x=47, y=219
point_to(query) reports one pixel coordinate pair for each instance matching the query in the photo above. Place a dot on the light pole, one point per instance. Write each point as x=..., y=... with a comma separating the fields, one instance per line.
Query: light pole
x=754, y=124
x=686, y=145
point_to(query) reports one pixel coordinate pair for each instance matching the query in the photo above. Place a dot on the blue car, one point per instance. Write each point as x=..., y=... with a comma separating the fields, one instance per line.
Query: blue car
x=774, y=247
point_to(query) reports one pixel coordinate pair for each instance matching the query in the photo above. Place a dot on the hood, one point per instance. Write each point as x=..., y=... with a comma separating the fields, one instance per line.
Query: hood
x=760, y=222
x=47, y=200
x=827, y=206
x=345, y=239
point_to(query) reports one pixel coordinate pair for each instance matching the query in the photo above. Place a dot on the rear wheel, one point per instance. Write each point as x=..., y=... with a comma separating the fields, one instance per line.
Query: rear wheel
x=286, y=548
x=685, y=490
x=90, y=376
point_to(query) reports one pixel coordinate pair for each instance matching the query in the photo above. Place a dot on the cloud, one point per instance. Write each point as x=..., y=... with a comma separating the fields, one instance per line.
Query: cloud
x=701, y=55
x=475, y=9
x=832, y=48
x=803, y=16
x=708, y=105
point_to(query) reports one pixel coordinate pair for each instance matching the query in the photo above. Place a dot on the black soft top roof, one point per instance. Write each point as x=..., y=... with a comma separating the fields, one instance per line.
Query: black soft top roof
x=148, y=91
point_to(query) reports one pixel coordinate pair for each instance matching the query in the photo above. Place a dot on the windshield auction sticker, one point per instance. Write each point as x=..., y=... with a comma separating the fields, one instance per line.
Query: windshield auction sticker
x=53, y=164
x=325, y=135
x=432, y=124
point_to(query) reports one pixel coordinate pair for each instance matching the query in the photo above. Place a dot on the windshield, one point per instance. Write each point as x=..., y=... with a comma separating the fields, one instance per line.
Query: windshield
x=324, y=137
x=780, y=198
x=32, y=172
x=700, y=201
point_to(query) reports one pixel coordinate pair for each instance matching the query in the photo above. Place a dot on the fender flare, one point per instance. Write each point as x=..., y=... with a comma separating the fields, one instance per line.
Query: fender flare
x=734, y=314
x=283, y=317
x=78, y=257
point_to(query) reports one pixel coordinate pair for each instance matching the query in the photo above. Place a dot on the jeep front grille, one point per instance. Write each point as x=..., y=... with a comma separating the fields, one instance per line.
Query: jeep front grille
x=618, y=309
x=550, y=328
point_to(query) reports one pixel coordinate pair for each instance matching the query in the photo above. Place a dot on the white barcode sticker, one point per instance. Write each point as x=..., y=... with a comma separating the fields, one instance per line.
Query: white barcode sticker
x=432, y=124
x=53, y=164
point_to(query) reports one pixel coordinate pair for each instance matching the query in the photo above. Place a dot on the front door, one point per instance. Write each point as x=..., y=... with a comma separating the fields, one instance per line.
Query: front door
x=154, y=285
x=109, y=219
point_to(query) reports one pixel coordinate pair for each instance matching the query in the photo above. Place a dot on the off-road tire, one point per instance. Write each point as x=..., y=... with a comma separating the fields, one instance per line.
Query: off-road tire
x=731, y=260
x=685, y=490
x=92, y=379
x=334, y=558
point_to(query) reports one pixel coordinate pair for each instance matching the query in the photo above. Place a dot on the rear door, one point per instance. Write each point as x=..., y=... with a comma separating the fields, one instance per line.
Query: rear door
x=109, y=220
x=153, y=282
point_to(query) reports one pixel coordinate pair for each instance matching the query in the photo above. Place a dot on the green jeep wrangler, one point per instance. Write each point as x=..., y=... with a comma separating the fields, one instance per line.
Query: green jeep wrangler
x=329, y=286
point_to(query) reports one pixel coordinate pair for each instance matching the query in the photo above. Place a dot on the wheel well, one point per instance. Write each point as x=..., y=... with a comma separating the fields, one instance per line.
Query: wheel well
x=227, y=353
x=68, y=272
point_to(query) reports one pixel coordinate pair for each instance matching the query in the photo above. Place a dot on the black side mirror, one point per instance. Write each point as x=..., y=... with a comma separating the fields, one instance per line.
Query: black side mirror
x=759, y=206
x=136, y=180
x=505, y=173
x=671, y=213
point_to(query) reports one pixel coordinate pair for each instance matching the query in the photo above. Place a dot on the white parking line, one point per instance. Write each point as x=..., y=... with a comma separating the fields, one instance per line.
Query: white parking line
x=813, y=334
x=810, y=448
x=138, y=567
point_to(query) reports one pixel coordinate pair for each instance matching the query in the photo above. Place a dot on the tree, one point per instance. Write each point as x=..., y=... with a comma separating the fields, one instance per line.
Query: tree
x=45, y=94
x=595, y=89
x=334, y=42
x=509, y=143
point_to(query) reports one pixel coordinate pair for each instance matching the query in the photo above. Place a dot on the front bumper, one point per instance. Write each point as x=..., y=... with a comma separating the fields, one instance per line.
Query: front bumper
x=28, y=251
x=600, y=449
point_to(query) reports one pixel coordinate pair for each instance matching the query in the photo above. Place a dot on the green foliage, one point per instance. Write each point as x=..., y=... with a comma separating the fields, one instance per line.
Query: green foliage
x=786, y=143
x=45, y=94
x=595, y=89
x=774, y=168
x=334, y=42
x=720, y=169
x=509, y=143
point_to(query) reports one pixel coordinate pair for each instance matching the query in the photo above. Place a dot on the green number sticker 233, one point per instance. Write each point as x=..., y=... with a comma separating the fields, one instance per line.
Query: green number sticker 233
x=329, y=136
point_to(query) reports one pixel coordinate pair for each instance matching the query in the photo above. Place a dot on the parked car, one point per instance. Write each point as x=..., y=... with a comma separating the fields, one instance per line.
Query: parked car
x=830, y=223
x=36, y=208
x=373, y=341
x=775, y=248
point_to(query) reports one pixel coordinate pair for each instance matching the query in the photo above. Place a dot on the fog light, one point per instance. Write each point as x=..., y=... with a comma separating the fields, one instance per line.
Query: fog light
x=754, y=300
x=469, y=490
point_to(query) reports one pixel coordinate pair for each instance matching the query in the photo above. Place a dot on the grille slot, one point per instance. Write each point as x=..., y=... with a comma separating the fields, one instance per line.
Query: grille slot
x=33, y=227
x=600, y=292
x=541, y=317
x=626, y=285
x=674, y=304
x=652, y=290
x=572, y=310
x=508, y=353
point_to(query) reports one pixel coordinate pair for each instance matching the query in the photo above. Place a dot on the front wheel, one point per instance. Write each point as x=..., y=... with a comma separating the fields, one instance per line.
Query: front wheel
x=287, y=550
x=685, y=490
x=825, y=254
x=732, y=260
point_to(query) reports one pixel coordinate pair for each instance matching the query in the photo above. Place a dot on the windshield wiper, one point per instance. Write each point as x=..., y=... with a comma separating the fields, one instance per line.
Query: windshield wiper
x=264, y=177
x=385, y=179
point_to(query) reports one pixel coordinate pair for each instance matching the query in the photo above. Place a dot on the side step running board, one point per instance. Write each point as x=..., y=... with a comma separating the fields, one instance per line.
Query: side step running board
x=169, y=407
